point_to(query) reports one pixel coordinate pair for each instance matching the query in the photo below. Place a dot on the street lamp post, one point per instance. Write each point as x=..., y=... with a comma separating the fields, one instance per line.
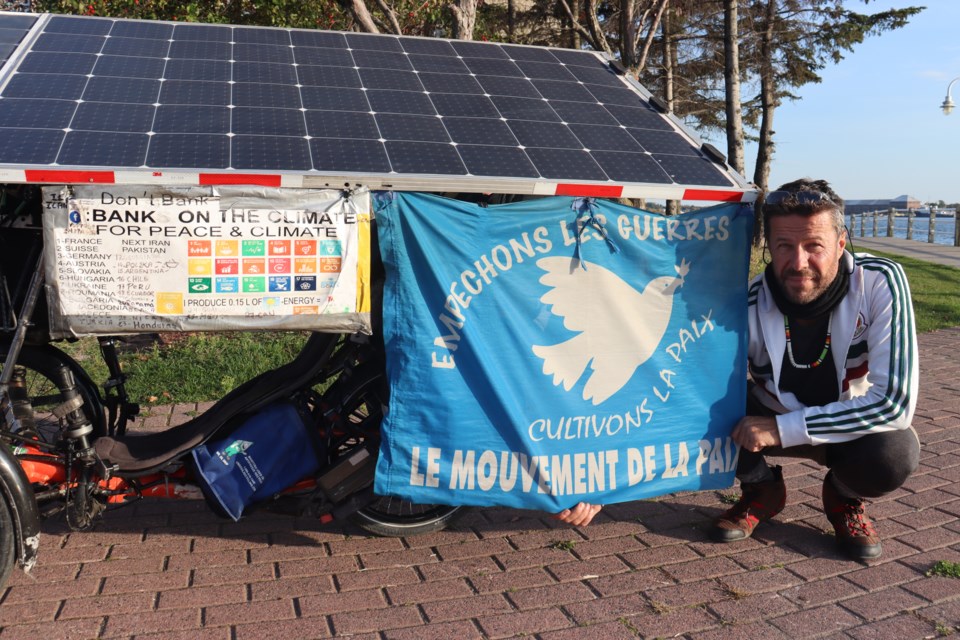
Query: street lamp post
x=948, y=105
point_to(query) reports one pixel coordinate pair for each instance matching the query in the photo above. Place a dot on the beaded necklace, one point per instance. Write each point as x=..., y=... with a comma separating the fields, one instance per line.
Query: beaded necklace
x=823, y=354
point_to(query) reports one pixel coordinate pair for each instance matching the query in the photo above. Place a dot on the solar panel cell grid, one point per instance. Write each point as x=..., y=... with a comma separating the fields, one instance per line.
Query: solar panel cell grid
x=450, y=83
x=329, y=77
x=76, y=44
x=199, y=70
x=191, y=119
x=200, y=50
x=584, y=113
x=390, y=79
x=71, y=25
x=29, y=113
x=204, y=32
x=269, y=122
x=271, y=152
x=360, y=156
x=329, y=57
x=45, y=85
x=106, y=148
x=94, y=116
x=412, y=128
x=37, y=146
x=496, y=161
x=136, y=47
x=429, y=47
x=323, y=99
x=189, y=151
x=128, y=67
x=454, y=104
x=18, y=21
x=480, y=131
x=424, y=157
x=264, y=72
x=95, y=92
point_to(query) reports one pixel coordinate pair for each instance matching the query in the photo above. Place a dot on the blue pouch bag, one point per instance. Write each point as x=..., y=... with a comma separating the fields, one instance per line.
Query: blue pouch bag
x=269, y=452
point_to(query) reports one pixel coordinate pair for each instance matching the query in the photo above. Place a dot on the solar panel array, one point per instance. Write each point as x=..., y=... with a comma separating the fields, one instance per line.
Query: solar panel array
x=12, y=30
x=95, y=92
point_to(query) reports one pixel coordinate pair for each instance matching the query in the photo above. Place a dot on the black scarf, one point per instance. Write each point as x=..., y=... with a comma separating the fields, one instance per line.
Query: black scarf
x=827, y=301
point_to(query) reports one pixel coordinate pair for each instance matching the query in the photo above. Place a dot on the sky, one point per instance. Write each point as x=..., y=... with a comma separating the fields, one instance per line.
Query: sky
x=873, y=128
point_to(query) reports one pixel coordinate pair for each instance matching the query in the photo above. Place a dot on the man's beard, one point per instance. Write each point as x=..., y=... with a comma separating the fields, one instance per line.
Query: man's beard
x=804, y=296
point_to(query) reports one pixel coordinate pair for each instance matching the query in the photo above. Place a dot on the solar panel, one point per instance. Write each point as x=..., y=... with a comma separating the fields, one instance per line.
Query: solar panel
x=152, y=102
x=12, y=30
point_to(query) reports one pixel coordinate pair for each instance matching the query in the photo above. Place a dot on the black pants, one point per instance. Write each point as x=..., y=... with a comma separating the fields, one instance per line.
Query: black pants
x=868, y=467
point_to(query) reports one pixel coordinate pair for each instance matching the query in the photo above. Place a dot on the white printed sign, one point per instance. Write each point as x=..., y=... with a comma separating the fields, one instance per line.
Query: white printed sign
x=135, y=260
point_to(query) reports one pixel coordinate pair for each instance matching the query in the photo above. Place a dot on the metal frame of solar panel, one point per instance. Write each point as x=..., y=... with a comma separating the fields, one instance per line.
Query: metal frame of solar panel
x=129, y=101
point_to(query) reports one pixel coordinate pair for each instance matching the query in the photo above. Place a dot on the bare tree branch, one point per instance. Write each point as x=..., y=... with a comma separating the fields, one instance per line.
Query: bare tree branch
x=654, y=25
x=358, y=9
x=593, y=24
x=579, y=28
x=391, y=16
x=632, y=37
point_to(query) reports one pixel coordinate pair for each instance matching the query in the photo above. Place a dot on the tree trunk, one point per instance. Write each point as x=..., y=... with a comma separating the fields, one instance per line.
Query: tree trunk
x=575, y=41
x=627, y=34
x=464, y=18
x=656, y=10
x=669, y=60
x=391, y=16
x=668, y=53
x=593, y=32
x=731, y=82
x=361, y=15
x=768, y=104
x=596, y=31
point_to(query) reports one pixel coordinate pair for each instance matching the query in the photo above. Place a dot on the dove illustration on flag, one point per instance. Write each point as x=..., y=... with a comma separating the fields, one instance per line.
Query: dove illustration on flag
x=618, y=326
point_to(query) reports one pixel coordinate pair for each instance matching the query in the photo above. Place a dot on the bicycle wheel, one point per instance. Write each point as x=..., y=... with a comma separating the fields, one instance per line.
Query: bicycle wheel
x=41, y=364
x=396, y=517
x=7, y=543
x=359, y=399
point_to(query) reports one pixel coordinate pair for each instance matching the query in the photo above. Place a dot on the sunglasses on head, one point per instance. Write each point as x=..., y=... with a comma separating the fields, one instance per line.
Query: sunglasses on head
x=776, y=198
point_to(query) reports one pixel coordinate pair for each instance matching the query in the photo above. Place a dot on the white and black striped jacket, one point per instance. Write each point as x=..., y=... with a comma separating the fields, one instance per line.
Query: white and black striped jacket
x=874, y=346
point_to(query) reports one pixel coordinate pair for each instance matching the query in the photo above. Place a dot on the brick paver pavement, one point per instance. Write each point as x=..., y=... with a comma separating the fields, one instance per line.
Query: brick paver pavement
x=644, y=569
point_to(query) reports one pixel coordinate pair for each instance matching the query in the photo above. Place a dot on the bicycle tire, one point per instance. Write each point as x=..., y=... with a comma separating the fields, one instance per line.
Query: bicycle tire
x=395, y=517
x=360, y=401
x=8, y=545
x=42, y=362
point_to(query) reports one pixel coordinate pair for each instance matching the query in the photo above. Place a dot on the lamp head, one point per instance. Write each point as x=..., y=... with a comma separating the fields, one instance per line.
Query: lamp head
x=947, y=105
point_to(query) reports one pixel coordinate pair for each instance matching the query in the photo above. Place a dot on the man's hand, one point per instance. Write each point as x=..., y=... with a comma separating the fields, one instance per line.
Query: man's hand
x=754, y=433
x=580, y=515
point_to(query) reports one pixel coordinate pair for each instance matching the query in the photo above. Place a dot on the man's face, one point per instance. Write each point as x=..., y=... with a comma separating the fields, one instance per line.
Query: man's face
x=806, y=254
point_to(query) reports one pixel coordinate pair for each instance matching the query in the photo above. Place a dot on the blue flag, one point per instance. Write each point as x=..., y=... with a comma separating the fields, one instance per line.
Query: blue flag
x=565, y=349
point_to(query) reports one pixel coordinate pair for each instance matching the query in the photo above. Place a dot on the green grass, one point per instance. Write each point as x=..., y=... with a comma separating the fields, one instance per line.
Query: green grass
x=563, y=545
x=193, y=368
x=945, y=569
x=936, y=292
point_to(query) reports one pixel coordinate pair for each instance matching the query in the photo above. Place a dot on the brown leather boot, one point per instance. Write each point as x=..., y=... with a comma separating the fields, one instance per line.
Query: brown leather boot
x=854, y=532
x=760, y=502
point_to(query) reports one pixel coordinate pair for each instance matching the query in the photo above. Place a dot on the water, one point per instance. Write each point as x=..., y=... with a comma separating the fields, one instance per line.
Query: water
x=943, y=228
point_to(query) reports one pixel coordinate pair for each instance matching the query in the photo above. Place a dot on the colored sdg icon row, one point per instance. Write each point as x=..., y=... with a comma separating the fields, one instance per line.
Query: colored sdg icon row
x=253, y=266
x=258, y=284
x=244, y=248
